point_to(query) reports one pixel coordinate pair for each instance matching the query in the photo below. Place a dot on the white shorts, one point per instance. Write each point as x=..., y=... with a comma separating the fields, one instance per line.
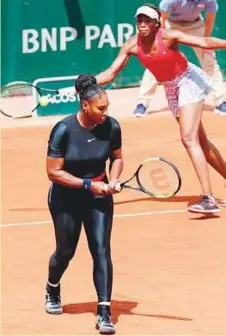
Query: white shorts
x=190, y=87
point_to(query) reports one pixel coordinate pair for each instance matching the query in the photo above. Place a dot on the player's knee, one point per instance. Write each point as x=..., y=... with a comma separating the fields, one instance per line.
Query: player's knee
x=65, y=255
x=189, y=140
x=101, y=252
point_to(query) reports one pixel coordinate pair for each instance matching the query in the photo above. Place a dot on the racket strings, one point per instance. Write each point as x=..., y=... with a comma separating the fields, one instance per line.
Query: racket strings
x=18, y=100
x=16, y=90
x=159, y=178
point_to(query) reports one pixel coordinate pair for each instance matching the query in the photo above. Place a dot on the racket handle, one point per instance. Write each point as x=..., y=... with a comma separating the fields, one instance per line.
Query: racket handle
x=105, y=187
x=118, y=187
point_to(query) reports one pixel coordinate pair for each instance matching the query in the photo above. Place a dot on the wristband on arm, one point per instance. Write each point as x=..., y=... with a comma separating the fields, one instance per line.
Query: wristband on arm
x=86, y=184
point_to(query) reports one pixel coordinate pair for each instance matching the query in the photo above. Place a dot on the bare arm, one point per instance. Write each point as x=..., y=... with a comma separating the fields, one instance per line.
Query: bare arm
x=209, y=23
x=119, y=63
x=210, y=43
x=116, y=165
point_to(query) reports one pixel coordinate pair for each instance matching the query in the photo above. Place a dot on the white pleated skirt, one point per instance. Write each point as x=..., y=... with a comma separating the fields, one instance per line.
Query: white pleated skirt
x=190, y=87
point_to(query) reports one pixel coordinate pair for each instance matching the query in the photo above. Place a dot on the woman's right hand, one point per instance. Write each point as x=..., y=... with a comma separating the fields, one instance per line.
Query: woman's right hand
x=99, y=188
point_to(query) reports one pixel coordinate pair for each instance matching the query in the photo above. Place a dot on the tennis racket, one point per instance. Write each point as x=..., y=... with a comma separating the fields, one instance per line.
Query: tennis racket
x=157, y=177
x=21, y=99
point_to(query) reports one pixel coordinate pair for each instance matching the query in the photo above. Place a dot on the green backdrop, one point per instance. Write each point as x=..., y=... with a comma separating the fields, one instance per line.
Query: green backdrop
x=60, y=38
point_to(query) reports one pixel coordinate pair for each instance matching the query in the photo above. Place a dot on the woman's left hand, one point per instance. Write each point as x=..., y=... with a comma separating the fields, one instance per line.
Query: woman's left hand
x=113, y=186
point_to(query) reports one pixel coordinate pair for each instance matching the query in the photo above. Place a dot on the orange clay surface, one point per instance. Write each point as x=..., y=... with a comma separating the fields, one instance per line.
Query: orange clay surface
x=169, y=265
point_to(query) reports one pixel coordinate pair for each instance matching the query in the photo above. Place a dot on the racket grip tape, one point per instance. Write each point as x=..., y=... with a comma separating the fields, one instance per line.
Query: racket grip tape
x=118, y=187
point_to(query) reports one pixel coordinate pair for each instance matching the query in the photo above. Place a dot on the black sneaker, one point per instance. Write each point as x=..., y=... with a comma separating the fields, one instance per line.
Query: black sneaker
x=207, y=204
x=104, y=323
x=53, y=300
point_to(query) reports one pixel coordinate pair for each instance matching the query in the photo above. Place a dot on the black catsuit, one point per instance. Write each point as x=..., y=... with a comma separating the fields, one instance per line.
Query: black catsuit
x=85, y=153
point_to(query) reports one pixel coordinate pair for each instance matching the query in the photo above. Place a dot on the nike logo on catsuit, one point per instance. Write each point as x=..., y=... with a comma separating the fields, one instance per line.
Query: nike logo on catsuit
x=89, y=140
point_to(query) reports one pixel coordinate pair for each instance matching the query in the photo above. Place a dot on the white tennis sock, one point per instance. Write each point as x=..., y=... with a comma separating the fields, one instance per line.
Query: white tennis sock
x=104, y=303
x=53, y=285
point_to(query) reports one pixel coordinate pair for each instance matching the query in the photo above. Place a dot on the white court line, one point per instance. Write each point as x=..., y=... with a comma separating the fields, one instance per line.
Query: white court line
x=137, y=214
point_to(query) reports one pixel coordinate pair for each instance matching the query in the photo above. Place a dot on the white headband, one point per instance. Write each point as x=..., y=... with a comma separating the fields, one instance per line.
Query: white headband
x=148, y=11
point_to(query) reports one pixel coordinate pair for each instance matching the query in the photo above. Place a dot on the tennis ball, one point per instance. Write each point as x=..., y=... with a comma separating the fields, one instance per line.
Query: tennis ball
x=44, y=101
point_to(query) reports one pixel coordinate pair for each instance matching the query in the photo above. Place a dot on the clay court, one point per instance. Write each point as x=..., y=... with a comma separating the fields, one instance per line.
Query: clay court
x=169, y=265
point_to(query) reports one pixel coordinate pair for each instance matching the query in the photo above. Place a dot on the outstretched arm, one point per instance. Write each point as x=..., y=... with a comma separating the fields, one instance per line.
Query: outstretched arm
x=210, y=43
x=119, y=63
x=108, y=75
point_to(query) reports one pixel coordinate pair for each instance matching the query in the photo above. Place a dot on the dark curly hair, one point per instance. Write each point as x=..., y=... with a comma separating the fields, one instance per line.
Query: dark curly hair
x=86, y=86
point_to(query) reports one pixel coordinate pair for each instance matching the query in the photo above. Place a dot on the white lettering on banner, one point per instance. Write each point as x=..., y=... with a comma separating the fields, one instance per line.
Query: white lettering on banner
x=64, y=37
x=62, y=98
x=55, y=39
x=91, y=33
x=107, y=37
x=51, y=38
x=29, y=41
x=124, y=36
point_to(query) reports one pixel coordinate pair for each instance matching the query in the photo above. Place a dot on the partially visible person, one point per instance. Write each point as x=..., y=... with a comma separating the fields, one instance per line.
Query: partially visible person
x=147, y=90
x=185, y=15
x=186, y=87
x=81, y=193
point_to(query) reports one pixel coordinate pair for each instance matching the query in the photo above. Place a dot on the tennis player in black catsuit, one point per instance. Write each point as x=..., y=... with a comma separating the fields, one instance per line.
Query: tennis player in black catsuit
x=79, y=147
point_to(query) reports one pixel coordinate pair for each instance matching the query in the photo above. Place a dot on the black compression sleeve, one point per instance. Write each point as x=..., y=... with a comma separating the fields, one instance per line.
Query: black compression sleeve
x=116, y=141
x=58, y=141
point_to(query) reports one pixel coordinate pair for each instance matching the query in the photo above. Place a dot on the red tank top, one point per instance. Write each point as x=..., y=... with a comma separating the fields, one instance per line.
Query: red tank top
x=167, y=64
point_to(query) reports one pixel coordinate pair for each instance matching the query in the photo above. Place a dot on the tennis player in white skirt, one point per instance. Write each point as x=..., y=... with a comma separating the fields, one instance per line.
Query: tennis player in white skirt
x=186, y=87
